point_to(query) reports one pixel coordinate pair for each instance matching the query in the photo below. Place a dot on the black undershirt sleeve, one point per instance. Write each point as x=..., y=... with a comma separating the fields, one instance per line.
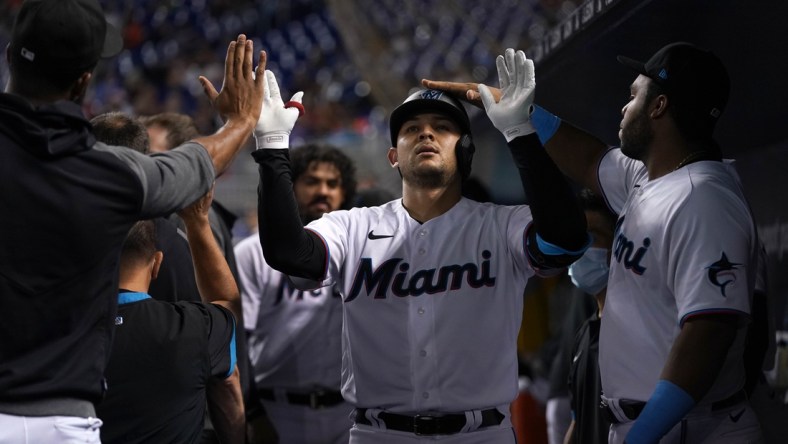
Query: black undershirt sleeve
x=558, y=219
x=287, y=246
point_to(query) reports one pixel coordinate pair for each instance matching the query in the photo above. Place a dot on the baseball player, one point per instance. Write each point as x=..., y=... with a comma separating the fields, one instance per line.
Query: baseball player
x=684, y=254
x=295, y=335
x=431, y=283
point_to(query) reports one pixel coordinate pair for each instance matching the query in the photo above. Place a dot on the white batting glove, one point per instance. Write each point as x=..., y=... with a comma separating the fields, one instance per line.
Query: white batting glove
x=512, y=114
x=276, y=118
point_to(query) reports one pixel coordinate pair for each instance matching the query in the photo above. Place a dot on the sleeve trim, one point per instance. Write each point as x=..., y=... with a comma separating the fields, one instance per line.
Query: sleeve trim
x=712, y=312
x=233, y=357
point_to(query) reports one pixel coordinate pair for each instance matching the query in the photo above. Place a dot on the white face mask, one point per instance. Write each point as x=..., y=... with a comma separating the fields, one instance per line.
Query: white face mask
x=589, y=273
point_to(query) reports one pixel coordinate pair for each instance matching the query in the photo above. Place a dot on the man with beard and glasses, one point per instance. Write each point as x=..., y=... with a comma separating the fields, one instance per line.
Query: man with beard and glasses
x=684, y=253
x=295, y=336
x=432, y=283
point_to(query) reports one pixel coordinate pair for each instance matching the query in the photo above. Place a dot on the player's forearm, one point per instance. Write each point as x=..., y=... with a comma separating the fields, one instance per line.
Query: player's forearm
x=577, y=154
x=214, y=279
x=287, y=246
x=557, y=216
x=694, y=362
x=699, y=352
x=223, y=145
x=226, y=407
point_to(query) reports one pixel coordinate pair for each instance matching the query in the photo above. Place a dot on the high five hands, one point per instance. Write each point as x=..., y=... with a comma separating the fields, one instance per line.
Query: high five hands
x=277, y=118
x=509, y=107
x=241, y=95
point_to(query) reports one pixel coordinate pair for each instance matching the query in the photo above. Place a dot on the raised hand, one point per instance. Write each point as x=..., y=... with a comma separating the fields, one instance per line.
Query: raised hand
x=242, y=91
x=467, y=91
x=277, y=118
x=199, y=209
x=512, y=113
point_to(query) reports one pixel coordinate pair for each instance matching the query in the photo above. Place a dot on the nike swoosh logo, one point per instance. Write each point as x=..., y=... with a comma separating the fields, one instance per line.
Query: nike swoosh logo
x=735, y=418
x=373, y=236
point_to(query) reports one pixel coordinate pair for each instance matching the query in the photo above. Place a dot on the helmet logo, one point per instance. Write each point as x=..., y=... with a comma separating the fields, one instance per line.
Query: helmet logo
x=431, y=94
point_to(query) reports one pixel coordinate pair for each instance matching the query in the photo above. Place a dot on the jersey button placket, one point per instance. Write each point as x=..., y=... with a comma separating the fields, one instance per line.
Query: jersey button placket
x=422, y=234
x=423, y=323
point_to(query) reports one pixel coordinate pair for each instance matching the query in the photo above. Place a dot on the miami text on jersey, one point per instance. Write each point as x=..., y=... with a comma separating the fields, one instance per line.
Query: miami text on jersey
x=625, y=250
x=420, y=282
x=288, y=292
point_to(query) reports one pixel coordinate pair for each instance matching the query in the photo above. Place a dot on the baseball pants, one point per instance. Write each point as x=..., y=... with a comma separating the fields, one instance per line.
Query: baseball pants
x=49, y=429
x=301, y=424
x=733, y=425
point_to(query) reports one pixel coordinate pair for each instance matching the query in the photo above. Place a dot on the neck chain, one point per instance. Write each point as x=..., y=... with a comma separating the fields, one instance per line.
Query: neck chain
x=691, y=157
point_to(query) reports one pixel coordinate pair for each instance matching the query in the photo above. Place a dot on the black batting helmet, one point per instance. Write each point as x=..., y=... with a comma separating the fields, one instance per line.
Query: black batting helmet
x=431, y=100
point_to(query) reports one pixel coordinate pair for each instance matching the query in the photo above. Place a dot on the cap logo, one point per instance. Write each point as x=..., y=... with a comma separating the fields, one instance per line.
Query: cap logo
x=715, y=112
x=26, y=53
x=663, y=74
x=431, y=94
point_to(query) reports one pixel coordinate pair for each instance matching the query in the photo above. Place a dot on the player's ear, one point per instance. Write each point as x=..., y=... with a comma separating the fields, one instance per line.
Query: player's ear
x=80, y=86
x=158, y=257
x=392, y=155
x=659, y=106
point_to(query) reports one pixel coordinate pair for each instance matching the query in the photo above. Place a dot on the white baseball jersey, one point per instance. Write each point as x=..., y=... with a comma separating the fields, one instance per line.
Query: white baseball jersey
x=432, y=310
x=685, y=244
x=293, y=335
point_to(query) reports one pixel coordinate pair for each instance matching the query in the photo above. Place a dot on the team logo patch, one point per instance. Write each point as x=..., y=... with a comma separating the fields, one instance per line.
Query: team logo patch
x=722, y=273
x=431, y=94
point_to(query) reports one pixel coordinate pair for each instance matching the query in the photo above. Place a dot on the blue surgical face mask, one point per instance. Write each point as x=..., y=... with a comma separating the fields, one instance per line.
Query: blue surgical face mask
x=589, y=273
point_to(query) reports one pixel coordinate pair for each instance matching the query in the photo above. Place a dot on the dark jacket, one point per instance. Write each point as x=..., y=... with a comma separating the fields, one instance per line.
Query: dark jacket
x=66, y=204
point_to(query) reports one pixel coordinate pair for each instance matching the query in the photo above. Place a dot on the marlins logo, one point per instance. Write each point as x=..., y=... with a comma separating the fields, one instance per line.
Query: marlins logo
x=721, y=273
x=431, y=94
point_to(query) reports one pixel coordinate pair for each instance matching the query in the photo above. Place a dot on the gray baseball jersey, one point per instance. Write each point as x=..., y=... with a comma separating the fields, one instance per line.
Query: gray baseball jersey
x=685, y=244
x=431, y=310
x=294, y=346
x=293, y=334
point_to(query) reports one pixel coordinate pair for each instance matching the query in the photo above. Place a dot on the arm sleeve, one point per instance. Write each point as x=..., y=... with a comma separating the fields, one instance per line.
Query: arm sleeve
x=169, y=181
x=287, y=246
x=557, y=217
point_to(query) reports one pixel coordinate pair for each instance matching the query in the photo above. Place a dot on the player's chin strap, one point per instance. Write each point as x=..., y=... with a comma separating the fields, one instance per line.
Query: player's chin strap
x=464, y=150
